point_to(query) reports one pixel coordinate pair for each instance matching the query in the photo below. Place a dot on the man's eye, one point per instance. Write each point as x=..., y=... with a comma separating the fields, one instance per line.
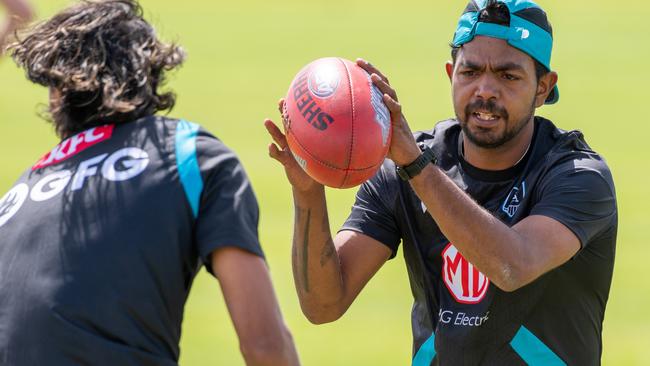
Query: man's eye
x=468, y=73
x=510, y=77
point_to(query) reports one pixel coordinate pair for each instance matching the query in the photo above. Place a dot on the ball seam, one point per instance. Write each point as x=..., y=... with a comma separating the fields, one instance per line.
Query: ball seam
x=352, y=104
x=324, y=163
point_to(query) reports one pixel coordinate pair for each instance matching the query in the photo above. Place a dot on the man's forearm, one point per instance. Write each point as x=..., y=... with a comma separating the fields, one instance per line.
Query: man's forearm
x=490, y=245
x=18, y=12
x=6, y=27
x=316, y=266
x=279, y=351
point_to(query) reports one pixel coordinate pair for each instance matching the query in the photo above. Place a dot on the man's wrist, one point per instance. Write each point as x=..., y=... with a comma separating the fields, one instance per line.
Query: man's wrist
x=408, y=160
x=308, y=194
x=409, y=171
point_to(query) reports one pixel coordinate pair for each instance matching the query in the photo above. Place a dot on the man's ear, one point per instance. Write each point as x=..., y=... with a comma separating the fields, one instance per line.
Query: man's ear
x=54, y=96
x=545, y=85
x=449, y=67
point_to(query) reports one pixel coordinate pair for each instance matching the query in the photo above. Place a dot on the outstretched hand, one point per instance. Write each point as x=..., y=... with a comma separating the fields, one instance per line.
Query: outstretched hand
x=18, y=12
x=403, y=149
x=279, y=150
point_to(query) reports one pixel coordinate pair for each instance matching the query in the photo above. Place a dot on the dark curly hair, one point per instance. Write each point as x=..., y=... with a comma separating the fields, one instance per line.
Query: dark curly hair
x=104, y=62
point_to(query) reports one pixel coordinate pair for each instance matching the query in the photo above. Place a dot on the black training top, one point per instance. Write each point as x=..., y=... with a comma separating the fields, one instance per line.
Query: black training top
x=101, y=239
x=458, y=316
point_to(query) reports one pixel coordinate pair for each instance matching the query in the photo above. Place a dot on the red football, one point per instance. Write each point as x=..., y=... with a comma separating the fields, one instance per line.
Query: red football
x=337, y=125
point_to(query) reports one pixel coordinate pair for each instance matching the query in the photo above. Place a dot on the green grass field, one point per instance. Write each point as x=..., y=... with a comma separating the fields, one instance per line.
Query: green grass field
x=242, y=56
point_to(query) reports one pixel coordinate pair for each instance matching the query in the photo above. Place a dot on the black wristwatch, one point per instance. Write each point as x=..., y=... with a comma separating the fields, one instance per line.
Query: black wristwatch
x=410, y=171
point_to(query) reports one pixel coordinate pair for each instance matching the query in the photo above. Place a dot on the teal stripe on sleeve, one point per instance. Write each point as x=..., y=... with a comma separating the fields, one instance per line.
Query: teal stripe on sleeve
x=532, y=350
x=187, y=163
x=426, y=353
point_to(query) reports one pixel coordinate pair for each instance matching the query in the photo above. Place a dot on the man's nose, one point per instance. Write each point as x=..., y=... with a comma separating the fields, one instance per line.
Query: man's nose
x=487, y=87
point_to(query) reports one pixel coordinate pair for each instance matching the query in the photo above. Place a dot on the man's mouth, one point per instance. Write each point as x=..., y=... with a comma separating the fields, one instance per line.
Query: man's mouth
x=485, y=116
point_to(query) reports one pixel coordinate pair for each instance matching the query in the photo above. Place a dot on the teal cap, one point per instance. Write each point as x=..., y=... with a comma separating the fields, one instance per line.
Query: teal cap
x=529, y=31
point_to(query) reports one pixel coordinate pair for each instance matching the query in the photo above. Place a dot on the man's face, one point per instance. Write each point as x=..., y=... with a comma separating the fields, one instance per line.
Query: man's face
x=495, y=91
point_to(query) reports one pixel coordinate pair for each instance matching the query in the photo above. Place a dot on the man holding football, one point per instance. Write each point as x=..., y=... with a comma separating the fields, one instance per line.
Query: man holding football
x=508, y=223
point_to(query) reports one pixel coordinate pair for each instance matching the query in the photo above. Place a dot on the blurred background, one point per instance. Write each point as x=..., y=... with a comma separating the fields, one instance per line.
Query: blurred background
x=242, y=57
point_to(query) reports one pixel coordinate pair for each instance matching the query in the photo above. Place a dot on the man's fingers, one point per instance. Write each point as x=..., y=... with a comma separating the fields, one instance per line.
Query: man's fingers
x=282, y=156
x=281, y=106
x=383, y=86
x=393, y=106
x=275, y=152
x=276, y=134
x=371, y=69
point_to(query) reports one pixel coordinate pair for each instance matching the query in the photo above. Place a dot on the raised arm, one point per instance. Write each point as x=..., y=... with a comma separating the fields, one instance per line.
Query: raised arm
x=246, y=286
x=328, y=272
x=18, y=12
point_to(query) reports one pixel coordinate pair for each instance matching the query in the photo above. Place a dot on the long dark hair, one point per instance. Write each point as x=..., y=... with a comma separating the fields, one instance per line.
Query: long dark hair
x=104, y=62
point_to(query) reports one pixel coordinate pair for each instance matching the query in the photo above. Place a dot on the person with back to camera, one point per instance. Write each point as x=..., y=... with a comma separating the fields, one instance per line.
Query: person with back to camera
x=103, y=236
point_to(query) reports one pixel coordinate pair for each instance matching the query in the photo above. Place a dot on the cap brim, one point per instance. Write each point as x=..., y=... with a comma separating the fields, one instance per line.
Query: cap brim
x=553, y=97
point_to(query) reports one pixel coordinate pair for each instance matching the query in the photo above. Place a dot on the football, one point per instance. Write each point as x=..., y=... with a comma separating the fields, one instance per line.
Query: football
x=337, y=125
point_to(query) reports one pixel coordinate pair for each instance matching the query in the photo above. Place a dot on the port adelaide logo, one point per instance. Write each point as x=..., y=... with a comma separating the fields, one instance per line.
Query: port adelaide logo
x=514, y=199
x=11, y=202
x=464, y=281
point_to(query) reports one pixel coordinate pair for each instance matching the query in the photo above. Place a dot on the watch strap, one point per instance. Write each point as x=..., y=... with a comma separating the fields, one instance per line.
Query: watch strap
x=412, y=170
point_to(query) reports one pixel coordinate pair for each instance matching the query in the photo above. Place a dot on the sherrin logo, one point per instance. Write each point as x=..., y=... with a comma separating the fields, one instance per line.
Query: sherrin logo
x=465, y=283
x=303, y=95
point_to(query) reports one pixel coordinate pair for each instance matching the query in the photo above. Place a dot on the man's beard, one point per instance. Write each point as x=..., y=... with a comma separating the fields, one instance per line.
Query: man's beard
x=492, y=142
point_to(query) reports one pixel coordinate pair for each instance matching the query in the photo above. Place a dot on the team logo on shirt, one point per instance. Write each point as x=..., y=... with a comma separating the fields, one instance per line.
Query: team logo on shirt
x=465, y=283
x=12, y=201
x=512, y=202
